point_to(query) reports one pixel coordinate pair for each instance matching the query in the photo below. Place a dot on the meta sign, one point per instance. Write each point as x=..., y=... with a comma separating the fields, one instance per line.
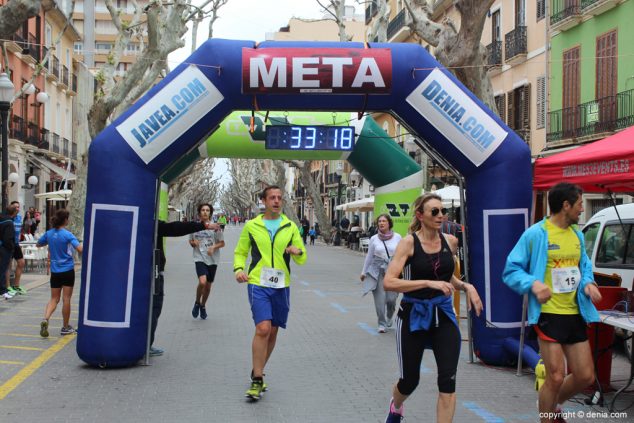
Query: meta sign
x=311, y=71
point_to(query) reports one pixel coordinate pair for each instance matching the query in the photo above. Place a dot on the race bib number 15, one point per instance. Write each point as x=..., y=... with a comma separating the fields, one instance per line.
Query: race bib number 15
x=565, y=279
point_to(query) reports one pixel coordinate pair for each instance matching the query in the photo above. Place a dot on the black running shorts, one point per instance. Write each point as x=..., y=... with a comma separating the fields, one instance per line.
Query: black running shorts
x=62, y=279
x=561, y=328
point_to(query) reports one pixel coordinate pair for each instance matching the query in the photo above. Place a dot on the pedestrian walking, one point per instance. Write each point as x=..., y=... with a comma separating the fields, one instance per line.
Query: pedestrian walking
x=312, y=233
x=60, y=243
x=380, y=250
x=171, y=229
x=305, y=228
x=550, y=264
x=422, y=269
x=273, y=239
x=7, y=244
x=206, y=245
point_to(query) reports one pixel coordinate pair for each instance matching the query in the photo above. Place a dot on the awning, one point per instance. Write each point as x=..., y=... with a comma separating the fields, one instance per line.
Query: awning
x=61, y=195
x=596, y=167
x=362, y=205
x=41, y=162
x=450, y=195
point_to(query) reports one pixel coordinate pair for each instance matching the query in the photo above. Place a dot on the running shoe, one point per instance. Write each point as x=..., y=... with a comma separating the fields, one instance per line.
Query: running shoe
x=381, y=329
x=195, y=310
x=390, y=322
x=7, y=296
x=11, y=290
x=255, y=391
x=44, y=329
x=67, y=330
x=203, y=312
x=20, y=290
x=394, y=415
x=154, y=352
x=264, y=385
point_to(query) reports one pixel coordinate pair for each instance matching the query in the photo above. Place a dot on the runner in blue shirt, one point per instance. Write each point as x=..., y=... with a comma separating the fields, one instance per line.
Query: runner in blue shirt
x=60, y=246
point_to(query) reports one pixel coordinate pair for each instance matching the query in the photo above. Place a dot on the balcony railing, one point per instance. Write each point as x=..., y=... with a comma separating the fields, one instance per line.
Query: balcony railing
x=54, y=65
x=64, y=75
x=593, y=117
x=47, y=66
x=34, y=47
x=370, y=11
x=17, y=129
x=73, y=151
x=55, y=143
x=44, y=139
x=74, y=82
x=33, y=136
x=396, y=24
x=562, y=9
x=494, y=54
x=515, y=42
x=65, y=145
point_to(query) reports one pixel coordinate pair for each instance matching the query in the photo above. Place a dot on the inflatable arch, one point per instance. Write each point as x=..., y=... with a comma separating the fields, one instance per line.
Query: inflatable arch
x=173, y=118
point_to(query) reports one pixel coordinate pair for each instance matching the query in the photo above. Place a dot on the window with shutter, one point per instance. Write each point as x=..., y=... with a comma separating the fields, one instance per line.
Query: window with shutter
x=606, y=80
x=510, y=112
x=525, y=105
x=501, y=106
x=541, y=9
x=540, y=95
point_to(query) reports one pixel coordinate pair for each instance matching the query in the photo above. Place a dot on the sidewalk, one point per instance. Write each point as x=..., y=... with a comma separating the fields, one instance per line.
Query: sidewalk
x=329, y=365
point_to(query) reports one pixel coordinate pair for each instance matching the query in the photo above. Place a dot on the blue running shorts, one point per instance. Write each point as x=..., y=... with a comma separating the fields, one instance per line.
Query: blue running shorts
x=270, y=304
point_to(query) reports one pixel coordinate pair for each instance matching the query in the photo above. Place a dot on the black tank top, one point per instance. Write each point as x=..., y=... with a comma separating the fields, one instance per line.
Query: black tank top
x=437, y=266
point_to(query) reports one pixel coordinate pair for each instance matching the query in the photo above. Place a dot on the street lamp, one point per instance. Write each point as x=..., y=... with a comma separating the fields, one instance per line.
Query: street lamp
x=31, y=182
x=6, y=95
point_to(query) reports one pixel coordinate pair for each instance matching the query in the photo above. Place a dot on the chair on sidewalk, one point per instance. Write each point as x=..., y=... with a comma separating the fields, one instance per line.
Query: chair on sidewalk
x=364, y=243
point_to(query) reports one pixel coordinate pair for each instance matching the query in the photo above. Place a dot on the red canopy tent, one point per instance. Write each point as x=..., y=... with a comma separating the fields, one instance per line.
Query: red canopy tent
x=596, y=167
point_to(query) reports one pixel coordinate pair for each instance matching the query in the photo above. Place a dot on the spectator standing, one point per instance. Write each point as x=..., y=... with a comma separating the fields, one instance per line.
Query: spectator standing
x=18, y=256
x=7, y=244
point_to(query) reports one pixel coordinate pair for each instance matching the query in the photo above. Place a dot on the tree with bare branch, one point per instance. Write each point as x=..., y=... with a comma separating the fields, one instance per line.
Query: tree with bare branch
x=163, y=24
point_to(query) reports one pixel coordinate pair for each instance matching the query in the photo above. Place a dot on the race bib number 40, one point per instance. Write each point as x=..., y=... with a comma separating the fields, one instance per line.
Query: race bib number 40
x=272, y=278
x=565, y=279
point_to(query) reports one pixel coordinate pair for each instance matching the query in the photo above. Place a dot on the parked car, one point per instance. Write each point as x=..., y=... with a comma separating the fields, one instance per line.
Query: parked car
x=610, y=246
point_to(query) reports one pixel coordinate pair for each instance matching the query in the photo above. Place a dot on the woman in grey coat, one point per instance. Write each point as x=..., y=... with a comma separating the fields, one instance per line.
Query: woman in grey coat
x=380, y=249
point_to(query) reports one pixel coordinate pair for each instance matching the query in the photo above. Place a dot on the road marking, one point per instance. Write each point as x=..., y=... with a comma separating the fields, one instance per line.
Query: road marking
x=23, y=335
x=318, y=292
x=304, y=283
x=29, y=369
x=14, y=347
x=372, y=331
x=483, y=413
x=339, y=307
x=12, y=362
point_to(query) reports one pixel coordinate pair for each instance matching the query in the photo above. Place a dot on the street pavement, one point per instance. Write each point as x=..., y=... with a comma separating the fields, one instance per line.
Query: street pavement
x=330, y=365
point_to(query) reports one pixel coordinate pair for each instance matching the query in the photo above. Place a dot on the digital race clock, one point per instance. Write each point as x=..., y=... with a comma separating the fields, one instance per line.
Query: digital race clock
x=300, y=137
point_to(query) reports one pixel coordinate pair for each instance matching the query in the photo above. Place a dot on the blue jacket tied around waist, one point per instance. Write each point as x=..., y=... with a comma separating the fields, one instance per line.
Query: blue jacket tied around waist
x=422, y=312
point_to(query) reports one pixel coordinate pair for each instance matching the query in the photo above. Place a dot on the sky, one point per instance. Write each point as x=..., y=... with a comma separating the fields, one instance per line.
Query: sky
x=248, y=20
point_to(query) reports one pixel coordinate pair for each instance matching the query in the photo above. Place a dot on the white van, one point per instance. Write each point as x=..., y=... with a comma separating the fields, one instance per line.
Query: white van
x=610, y=242
x=610, y=246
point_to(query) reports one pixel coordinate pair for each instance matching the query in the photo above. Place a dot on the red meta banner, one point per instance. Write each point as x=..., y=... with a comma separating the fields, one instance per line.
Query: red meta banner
x=316, y=71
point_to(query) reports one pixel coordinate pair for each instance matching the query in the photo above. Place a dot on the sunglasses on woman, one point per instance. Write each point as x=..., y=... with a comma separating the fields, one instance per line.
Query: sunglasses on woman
x=436, y=210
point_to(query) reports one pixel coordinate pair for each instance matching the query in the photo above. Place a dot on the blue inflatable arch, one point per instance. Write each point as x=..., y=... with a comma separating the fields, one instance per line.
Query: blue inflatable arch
x=127, y=158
